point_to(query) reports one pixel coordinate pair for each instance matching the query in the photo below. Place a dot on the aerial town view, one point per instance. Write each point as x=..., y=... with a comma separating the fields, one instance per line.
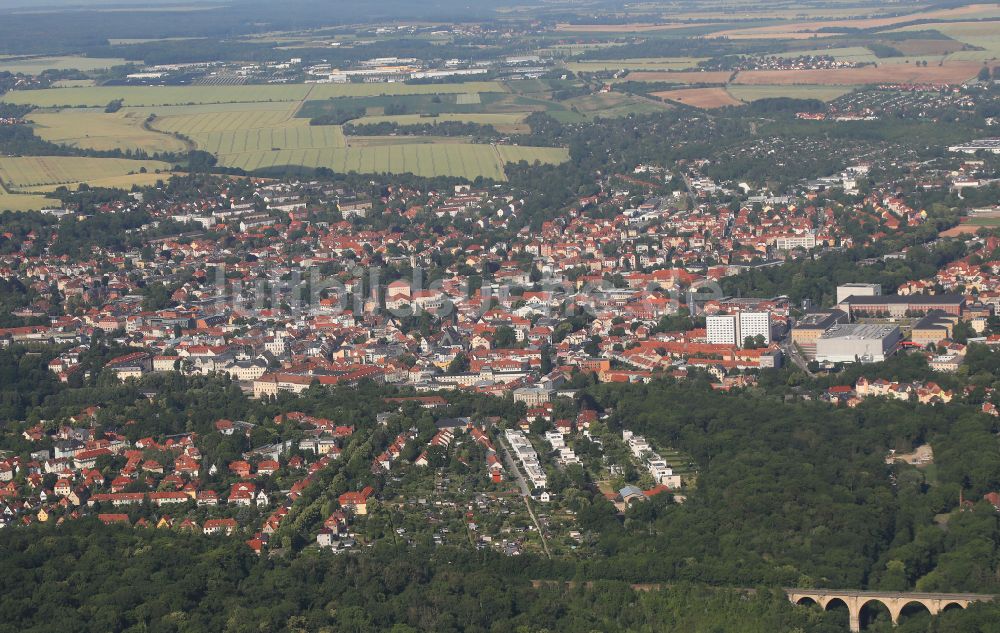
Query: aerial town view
x=499, y=317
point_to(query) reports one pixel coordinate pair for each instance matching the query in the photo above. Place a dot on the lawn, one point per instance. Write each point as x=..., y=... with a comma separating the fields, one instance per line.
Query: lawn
x=28, y=172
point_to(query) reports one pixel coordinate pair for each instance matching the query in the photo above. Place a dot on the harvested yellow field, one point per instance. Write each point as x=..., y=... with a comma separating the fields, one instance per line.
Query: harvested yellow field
x=252, y=130
x=136, y=96
x=692, y=77
x=652, y=63
x=700, y=97
x=949, y=73
x=504, y=122
x=114, y=182
x=800, y=30
x=92, y=128
x=25, y=173
x=36, y=65
x=464, y=160
x=24, y=202
x=623, y=28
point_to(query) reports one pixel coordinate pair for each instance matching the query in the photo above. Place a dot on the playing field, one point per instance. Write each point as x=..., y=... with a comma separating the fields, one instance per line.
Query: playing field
x=92, y=128
x=28, y=172
x=95, y=96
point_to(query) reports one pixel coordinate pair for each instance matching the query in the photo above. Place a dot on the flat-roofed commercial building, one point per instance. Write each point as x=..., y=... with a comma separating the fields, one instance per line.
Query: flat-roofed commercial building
x=902, y=305
x=858, y=290
x=863, y=343
x=933, y=328
x=811, y=326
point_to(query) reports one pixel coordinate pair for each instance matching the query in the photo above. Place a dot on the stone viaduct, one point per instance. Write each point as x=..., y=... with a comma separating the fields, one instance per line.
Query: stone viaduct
x=895, y=602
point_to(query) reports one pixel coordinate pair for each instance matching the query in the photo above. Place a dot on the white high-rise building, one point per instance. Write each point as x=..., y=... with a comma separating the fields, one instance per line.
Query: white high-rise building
x=754, y=324
x=733, y=329
x=721, y=329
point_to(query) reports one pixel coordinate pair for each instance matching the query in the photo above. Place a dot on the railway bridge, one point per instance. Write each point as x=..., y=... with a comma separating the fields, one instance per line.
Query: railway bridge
x=895, y=602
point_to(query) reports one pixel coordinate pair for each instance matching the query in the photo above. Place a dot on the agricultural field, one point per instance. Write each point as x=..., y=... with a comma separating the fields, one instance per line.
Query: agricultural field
x=92, y=128
x=115, y=182
x=624, y=28
x=641, y=64
x=507, y=123
x=984, y=35
x=822, y=28
x=749, y=93
x=36, y=65
x=612, y=104
x=465, y=103
x=268, y=127
x=20, y=174
x=464, y=160
x=949, y=73
x=700, y=97
x=692, y=77
x=855, y=54
x=24, y=202
x=136, y=96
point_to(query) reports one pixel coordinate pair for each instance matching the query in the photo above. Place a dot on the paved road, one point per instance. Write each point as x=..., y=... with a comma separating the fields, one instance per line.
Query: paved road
x=789, y=349
x=525, y=492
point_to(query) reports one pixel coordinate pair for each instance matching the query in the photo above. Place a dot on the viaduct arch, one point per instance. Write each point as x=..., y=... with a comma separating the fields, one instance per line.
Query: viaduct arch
x=895, y=602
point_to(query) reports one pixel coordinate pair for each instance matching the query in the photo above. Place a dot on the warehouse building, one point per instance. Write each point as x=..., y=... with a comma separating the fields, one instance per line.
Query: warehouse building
x=863, y=343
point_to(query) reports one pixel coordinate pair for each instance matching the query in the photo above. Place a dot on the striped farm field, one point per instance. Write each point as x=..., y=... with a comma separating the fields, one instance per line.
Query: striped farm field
x=463, y=160
x=24, y=202
x=257, y=128
x=36, y=65
x=27, y=172
x=682, y=77
x=96, y=96
x=113, y=182
x=707, y=98
x=947, y=73
x=517, y=153
x=241, y=131
x=641, y=64
x=513, y=122
x=754, y=93
x=93, y=128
